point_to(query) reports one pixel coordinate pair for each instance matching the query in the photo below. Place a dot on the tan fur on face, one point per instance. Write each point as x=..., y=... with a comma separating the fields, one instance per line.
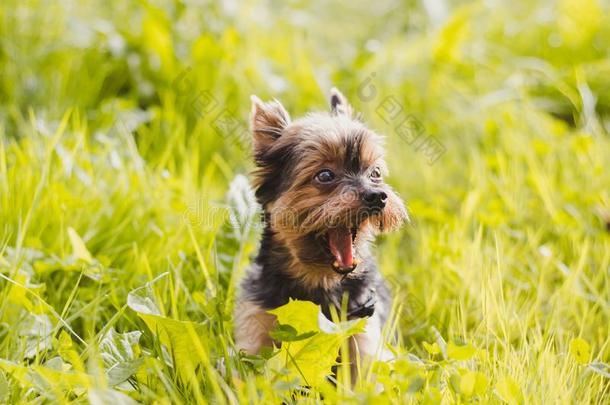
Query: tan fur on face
x=322, y=141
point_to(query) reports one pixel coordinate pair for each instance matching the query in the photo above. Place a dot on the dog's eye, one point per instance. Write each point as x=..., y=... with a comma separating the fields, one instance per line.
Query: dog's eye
x=375, y=173
x=325, y=176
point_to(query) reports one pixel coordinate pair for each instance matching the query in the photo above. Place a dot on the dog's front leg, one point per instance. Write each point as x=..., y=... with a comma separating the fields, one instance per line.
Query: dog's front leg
x=252, y=326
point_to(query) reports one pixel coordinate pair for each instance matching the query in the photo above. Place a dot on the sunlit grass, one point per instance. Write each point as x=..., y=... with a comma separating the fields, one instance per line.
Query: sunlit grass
x=118, y=261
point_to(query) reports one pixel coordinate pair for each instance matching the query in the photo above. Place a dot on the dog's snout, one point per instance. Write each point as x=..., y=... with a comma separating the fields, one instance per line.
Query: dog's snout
x=374, y=198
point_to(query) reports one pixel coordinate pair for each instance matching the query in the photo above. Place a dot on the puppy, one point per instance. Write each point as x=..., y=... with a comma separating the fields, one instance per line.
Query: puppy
x=319, y=180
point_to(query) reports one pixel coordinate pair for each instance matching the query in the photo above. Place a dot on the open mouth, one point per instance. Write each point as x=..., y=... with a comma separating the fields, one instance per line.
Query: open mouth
x=341, y=245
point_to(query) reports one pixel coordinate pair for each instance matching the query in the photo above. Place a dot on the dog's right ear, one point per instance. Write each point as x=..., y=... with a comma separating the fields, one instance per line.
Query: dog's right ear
x=267, y=121
x=339, y=104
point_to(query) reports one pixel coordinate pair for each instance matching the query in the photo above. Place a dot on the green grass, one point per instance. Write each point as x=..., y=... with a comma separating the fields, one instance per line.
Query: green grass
x=118, y=263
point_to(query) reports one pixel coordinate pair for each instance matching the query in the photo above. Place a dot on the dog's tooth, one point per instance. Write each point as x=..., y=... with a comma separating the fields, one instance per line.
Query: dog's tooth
x=336, y=264
x=356, y=262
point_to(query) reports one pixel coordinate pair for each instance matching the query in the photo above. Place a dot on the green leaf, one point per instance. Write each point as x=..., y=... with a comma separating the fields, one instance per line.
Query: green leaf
x=416, y=384
x=79, y=250
x=120, y=358
x=109, y=396
x=301, y=315
x=46, y=379
x=286, y=333
x=473, y=383
x=580, y=350
x=456, y=352
x=481, y=383
x=508, y=391
x=185, y=340
x=431, y=396
x=311, y=358
x=142, y=299
x=65, y=348
x=433, y=348
x=467, y=383
x=36, y=334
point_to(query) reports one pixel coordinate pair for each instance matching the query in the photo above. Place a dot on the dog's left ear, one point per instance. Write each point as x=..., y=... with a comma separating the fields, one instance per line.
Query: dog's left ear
x=339, y=104
x=267, y=121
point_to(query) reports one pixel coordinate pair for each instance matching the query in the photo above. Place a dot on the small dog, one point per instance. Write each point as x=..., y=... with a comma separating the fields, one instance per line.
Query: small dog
x=319, y=180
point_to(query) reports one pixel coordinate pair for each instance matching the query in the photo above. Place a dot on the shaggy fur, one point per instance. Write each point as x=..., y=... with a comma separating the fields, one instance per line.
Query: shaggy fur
x=295, y=260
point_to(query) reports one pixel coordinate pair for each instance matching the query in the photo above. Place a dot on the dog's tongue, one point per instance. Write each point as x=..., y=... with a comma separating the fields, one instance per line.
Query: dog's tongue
x=340, y=243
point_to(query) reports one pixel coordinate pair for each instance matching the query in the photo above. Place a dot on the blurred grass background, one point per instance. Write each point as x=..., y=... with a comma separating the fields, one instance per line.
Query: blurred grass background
x=123, y=125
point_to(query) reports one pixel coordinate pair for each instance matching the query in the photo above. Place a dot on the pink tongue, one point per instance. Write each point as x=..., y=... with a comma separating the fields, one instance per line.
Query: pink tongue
x=340, y=243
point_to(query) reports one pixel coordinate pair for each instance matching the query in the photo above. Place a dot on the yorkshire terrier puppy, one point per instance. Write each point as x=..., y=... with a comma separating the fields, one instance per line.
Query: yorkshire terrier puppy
x=319, y=180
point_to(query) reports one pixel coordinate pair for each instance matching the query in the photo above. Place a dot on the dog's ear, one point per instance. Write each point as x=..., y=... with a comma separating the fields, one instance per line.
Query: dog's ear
x=339, y=104
x=267, y=121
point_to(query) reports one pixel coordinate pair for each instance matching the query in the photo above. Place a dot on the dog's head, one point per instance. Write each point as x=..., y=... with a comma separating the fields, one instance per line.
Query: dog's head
x=320, y=180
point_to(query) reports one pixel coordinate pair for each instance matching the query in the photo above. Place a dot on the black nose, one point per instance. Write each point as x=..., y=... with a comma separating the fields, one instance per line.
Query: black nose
x=374, y=199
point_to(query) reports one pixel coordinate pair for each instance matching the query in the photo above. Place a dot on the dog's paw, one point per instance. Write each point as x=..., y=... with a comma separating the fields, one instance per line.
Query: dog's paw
x=363, y=306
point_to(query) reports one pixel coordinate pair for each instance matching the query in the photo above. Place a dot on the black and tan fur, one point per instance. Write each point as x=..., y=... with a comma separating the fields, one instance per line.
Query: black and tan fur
x=294, y=259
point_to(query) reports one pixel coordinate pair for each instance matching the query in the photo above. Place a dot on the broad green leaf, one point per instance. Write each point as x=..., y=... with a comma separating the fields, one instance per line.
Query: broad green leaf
x=406, y=367
x=119, y=346
x=20, y=299
x=301, y=315
x=467, y=383
x=509, y=391
x=431, y=396
x=283, y=333
x=473, y=383
x=286, y=333
x=185, y=341
x=47, y=379
x=312, y=358
x=580, y=350
x=433, y=348
x=65, y=348
x=36, y=334
x=57, y=363
x=119, y=353
x=79, y=250
x=456, y=352
x=142, y=299
x=17, y=371
x=109, y=396
x=416, y=384
x=481, y=383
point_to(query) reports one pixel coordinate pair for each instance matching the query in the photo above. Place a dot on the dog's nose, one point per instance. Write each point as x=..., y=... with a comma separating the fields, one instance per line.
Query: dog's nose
x=374, y=199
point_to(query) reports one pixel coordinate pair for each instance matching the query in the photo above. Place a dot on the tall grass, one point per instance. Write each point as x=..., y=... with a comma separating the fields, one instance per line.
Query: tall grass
x=118, y=180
